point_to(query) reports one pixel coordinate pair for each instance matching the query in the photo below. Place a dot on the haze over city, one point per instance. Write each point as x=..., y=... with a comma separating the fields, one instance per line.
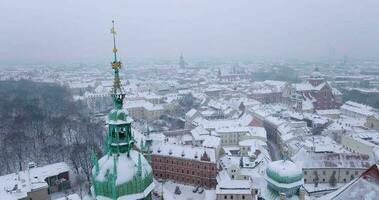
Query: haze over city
x=189, y=100
x=43, y=31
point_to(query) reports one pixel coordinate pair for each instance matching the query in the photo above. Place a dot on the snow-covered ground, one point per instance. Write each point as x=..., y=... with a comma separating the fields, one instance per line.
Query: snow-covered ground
x=187, y=194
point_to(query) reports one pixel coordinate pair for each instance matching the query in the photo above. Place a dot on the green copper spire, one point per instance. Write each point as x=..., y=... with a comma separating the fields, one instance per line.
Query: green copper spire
x=117, y=90
x=114, y=182
x=120, y=138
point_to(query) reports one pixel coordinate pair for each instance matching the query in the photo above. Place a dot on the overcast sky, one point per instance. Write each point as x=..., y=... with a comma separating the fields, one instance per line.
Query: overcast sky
x=79, y=30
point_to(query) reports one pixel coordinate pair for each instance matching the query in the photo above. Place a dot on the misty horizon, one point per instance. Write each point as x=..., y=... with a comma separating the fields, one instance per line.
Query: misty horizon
x=63, y=32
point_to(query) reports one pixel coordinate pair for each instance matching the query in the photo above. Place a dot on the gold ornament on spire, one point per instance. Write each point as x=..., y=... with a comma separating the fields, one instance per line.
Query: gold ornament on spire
x=115, y=64
x=117, y=90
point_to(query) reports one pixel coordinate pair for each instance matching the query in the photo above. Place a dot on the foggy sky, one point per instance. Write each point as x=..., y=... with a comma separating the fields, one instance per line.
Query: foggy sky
x=79, y=30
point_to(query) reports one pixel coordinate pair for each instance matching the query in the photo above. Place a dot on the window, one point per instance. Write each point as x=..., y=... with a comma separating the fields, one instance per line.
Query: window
x=122, y=135
x=225, y=197
x=323, y=172
x=231, y=196
x=356, y=172
x=305, y=172
x=305, y=180
x=347, y=172
x=243, y=196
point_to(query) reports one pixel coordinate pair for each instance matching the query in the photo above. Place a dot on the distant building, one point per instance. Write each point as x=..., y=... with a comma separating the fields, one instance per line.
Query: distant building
x=231, y=136
x=271, y=91
x=326, y=172
x=236, y=73
x=318, y=94
x=182, y=62
x=141, y=109
x=365, y=142
x=372, y=122
x=234, y=190
x=356, y=110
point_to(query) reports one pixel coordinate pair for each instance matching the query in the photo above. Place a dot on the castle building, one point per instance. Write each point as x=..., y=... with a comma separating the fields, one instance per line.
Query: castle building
x=185, y=164
x=122, y=173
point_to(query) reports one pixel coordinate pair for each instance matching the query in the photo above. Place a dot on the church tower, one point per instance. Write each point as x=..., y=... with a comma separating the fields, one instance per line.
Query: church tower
x=182, y=62
x=122, y=173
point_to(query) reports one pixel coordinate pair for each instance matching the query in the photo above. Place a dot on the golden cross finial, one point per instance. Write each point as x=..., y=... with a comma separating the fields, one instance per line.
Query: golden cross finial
x=115, y=64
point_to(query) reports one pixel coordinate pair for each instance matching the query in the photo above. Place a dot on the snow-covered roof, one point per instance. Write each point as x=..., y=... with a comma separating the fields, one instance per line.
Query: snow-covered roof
x=16, y=186
x=357, y=108
x=233, y=187
x=329, y=112
x=190, y=113
x=308, y=87
x=285, y=168
x=364, y=187
x=183, y=151
x=244, y=120
x=249, y=130
x=319, y=142
x=211, y=142
x=123, y=162
x=308, y=159
x=142, y=104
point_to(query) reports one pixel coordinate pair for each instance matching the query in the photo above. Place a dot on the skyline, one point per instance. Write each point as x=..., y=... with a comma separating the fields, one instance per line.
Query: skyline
x=70, y=31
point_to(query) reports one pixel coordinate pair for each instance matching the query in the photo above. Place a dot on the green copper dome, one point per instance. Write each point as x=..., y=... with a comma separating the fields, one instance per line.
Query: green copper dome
x=118, y=114
x=283, y=176
x=284, y=171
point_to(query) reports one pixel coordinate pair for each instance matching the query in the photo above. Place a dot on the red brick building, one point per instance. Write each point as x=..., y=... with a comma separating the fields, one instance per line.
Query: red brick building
x=319, y=93
x=185, y=164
